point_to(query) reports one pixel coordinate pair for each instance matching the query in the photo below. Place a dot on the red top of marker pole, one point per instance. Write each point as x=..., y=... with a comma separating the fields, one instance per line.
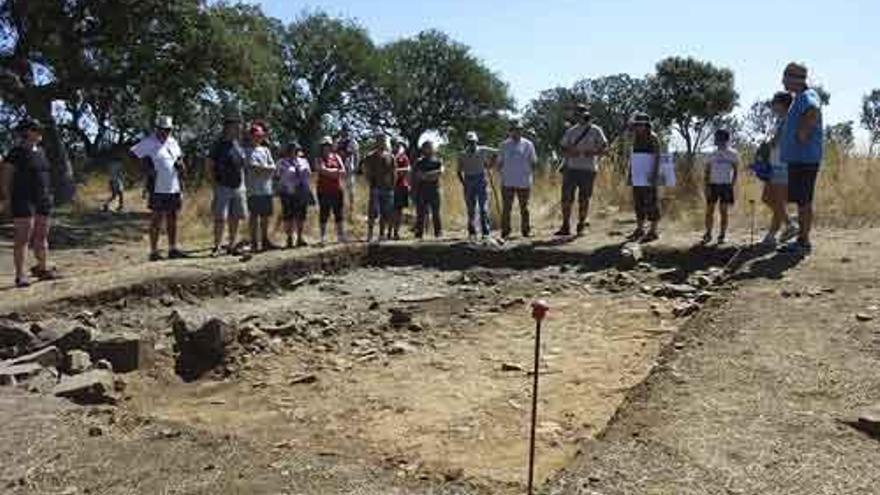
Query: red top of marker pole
x=540, y=309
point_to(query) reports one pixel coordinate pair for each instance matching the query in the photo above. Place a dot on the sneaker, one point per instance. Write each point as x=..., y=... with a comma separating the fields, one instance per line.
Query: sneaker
x=707, y=238
x=177, y=254
x=790, y=232
x=156, y=256
x=769, y=240
x=650, y=237
x=637, y=235
x=564, y=232
x=21, y=283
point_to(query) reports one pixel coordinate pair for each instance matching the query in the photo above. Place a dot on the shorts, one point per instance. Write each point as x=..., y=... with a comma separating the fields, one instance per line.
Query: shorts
x=381, y=202
x=720, y=192
x=294, y=207
x=577, y=180
x=401, y=198
x=24, y=207
x=165, y=202
x=802, y=183
x=646, y=203
x=330, y=202
x=229, y=203
x=779, y=174
x=261, y=205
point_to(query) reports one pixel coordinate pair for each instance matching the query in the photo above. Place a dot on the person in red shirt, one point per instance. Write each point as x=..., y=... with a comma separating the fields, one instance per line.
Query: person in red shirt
x=331, y=198
x=401, y=187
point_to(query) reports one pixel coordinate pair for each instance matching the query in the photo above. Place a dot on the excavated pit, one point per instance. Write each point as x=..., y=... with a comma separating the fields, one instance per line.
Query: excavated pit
x=413, y=359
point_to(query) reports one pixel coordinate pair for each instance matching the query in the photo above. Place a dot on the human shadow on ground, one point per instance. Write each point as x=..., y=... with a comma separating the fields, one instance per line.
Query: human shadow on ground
x=90, y=230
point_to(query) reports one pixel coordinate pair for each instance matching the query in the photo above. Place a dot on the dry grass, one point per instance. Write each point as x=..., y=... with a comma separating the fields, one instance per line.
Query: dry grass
x=845, y=198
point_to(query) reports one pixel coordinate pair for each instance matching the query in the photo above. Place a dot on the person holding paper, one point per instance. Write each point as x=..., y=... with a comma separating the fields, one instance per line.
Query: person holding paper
x=644, y=174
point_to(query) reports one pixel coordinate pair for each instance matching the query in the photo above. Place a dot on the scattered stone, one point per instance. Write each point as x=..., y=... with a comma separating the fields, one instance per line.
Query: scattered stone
x=284, y=330
x=167, y=300
x=420, y=298
x=684, y=310
x=846, y=260
x=864, y=317
x=415, y=327
x=65, y=335
x=704, y=297
x=12, y=375
x=15, y=334
x=401, y=347
x=303, y=379
x=50, y=357
x=508, y=367
x=103, y=364
x=512, y=303
x=96, y=431
x=76, y=362
x=451, y=475
x=400, y=317
x=374, y=306
x=126, y=353
x=630, y=256
x=44, y=381
x=676, y=290
x=91, y=387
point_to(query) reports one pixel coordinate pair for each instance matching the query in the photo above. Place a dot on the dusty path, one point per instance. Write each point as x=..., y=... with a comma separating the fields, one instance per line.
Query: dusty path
x=751, y=402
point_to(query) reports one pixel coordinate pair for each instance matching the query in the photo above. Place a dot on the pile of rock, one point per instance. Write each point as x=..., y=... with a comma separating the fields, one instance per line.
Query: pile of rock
x=69, y=358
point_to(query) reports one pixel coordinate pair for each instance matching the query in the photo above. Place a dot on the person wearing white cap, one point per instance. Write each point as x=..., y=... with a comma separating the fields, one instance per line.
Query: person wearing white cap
x=582, y=145
x=473, y=162
x=516, y=161
x=162, y=156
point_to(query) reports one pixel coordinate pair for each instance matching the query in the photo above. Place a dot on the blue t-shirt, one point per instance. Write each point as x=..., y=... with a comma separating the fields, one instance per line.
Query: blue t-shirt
x=793, y=151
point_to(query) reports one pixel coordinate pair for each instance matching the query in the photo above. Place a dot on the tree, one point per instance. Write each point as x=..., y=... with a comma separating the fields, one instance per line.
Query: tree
x=613, y=100
x=329, y=72
x=549, y=115
x=691, y=97
x=760, y=122
x=432, y=83
x=842, y=135
x=870, y=117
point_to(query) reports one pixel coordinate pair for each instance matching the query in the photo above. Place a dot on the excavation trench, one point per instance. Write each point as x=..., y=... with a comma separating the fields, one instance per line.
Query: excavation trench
x=411, y=359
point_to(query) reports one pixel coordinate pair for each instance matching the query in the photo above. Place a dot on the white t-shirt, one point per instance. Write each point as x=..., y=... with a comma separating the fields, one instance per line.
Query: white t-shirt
x=164, y=155
x=516, y=159
x=258, y=171
x=721, y=165
x=593, y=140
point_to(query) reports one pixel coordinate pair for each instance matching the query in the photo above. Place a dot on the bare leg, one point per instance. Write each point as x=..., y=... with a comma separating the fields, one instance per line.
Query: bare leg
x=171, y=225
x=155, y=225
x=219, y=224
x=254, y=223
x=724, y=208
x=264, y=230
x=233, y=231
x=23, y=229
x=40, y=241
x=566, y=215
x=805, y=218
x=710, y=218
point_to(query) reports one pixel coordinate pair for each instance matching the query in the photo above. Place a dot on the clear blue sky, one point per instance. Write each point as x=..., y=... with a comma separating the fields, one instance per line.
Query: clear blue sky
x=536, y=45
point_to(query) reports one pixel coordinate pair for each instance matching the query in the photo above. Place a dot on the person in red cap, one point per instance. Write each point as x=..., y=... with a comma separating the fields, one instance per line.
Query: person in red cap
x=259, y=172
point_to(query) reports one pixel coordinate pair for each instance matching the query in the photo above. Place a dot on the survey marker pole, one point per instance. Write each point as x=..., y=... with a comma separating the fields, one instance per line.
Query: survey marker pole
x=539, y=311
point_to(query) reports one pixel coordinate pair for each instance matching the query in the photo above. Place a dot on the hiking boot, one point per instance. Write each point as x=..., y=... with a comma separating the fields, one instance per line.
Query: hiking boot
x=216, y=252
x=177, y=254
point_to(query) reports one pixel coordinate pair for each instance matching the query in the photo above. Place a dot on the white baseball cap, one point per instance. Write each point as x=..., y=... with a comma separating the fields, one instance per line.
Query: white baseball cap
x=471, y=137
x=164, y=122
x=327, y=140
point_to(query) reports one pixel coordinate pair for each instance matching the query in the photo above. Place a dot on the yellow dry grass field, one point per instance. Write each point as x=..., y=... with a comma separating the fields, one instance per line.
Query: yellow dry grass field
x=846, y=197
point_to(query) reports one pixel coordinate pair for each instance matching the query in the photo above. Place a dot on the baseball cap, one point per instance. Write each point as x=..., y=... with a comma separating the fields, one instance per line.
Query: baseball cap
x=471, y=137
x=164, y=122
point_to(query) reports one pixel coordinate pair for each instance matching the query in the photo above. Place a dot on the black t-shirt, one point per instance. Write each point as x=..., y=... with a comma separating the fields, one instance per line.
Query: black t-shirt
x=228, y=158
x=32, y=174
x=426, y=165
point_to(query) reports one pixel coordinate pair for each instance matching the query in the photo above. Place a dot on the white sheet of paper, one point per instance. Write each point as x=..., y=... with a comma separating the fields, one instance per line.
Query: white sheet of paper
x=641, y=166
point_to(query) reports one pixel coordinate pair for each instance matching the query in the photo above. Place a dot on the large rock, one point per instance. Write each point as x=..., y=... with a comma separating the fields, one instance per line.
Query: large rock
x=676, y=290
x=631, y=255
x=126, y=353
x=65, y=335
x=91, y=387
x=205, y=348
x=399, y=317
x=868, y=421
x=76, y=362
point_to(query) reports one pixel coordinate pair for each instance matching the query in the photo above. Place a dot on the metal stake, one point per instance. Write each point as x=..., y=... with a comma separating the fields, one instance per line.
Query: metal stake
x=539, y=311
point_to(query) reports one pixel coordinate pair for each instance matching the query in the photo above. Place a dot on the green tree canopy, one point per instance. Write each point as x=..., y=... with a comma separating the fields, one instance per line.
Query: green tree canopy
x=842, y=135
x=870, y=117
x=432, y=83
x=691, y=97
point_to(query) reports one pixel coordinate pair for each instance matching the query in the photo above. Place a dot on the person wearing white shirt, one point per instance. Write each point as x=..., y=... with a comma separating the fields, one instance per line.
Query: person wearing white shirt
x=516, y=159
x=161, y=154
x=722, y=169
x=259, y=172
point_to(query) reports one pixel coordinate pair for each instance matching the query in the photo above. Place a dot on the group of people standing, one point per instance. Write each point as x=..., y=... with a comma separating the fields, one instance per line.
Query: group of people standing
x=247, y=179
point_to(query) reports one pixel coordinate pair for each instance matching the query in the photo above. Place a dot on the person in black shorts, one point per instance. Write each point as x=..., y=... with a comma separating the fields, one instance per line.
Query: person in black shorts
x=26, y=186
x=722, y=169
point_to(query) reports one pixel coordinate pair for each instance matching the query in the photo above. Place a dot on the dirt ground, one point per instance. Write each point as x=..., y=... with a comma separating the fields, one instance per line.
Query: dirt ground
x=745, y=397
